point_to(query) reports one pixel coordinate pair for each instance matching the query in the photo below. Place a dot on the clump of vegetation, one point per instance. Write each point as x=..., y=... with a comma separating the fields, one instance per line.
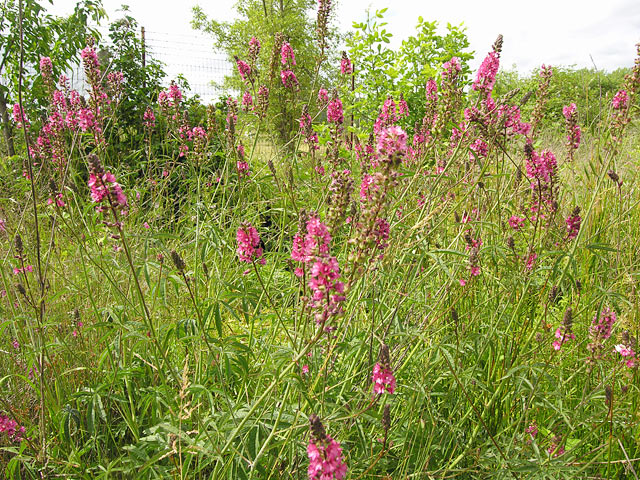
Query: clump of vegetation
x=445, y=289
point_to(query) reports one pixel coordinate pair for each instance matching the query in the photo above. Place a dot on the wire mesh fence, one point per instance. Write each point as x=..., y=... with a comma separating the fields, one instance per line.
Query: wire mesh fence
x=188, y=54
x=191, y=55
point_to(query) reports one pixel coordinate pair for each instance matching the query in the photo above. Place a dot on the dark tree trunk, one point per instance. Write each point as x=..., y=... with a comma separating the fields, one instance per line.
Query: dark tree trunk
x=7, y=128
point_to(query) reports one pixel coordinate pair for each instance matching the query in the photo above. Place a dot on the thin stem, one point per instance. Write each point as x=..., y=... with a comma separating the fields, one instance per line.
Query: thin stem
x=40, y=309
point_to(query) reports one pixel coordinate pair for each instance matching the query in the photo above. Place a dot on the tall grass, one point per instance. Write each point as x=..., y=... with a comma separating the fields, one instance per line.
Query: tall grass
x=152, y=350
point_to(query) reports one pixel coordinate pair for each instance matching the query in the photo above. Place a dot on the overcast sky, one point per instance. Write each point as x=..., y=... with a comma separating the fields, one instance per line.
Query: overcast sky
x=555, y=32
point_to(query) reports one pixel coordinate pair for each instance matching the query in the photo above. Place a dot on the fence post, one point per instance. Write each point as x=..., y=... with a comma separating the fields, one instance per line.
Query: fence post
x=144, y=54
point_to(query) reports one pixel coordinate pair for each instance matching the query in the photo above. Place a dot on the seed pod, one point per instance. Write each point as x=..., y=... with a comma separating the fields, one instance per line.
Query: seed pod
x=18, y=244
x=497, y=45
x=95, y=166
x=527, y=96
x=386, y=418
x=205, y=269
x=272, y=168
x=384, y=357
x=177, y=261
x=317, y=429
x=567, y=320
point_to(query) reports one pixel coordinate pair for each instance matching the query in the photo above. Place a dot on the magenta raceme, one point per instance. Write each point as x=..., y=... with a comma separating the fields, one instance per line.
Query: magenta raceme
x=11, y=429
x=103, y=186
x=382, y=377
x=486, y=75
x=311, y=248
x=345, y=65
x=335, y=112
x=287, y=57
x=244, y=69
x=249, y=249
x=564, y=333
x=573, y=129
x=326, y=461
x=573, y=223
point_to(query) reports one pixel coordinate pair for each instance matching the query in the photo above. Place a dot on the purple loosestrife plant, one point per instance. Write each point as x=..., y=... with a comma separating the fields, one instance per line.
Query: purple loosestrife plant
x=486, y=76
x=564, y=332
x=249, y=249
x=382, y=377
x=372, y=230
x=326, y=461
x=11, y=429
x=599, y=331
x=345, y=65
x=573, y=222
x=570, y=113
x=542, y=95
x=312, y=249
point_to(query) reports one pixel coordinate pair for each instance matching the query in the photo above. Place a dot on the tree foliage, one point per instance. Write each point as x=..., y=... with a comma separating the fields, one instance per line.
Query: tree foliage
x=44, y=35
x=142, y=79
x=591, y=90
x=383, y=71
x=263, y=19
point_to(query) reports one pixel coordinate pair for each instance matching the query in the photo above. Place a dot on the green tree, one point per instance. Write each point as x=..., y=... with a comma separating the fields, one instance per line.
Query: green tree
x=142, y=77
x=295, y=19
x=591, y=90
x=382, y=71
x=60, y=38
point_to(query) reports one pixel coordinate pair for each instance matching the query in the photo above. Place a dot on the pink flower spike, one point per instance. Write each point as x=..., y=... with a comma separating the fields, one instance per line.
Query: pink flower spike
x=325, y=454
x=249, y=248
x=286, y=53
x=516, y=222
x=392, y=141
x=345, y=65
x=531, y=261
x=323, y=96
x=486, y=77
x=383, y=380
x=624, y=350
x=335, y=112
x=289, y=79
x=243, y=69
x=620, y=100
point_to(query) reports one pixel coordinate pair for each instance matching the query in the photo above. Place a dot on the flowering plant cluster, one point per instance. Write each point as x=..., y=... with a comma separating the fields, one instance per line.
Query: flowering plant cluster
x=454, y=243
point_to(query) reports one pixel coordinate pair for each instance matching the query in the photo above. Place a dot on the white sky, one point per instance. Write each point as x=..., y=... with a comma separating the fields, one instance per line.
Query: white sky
x=555, y=32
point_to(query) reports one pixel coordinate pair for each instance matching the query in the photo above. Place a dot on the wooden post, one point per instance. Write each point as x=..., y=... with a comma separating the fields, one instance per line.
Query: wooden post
x=144, y=54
